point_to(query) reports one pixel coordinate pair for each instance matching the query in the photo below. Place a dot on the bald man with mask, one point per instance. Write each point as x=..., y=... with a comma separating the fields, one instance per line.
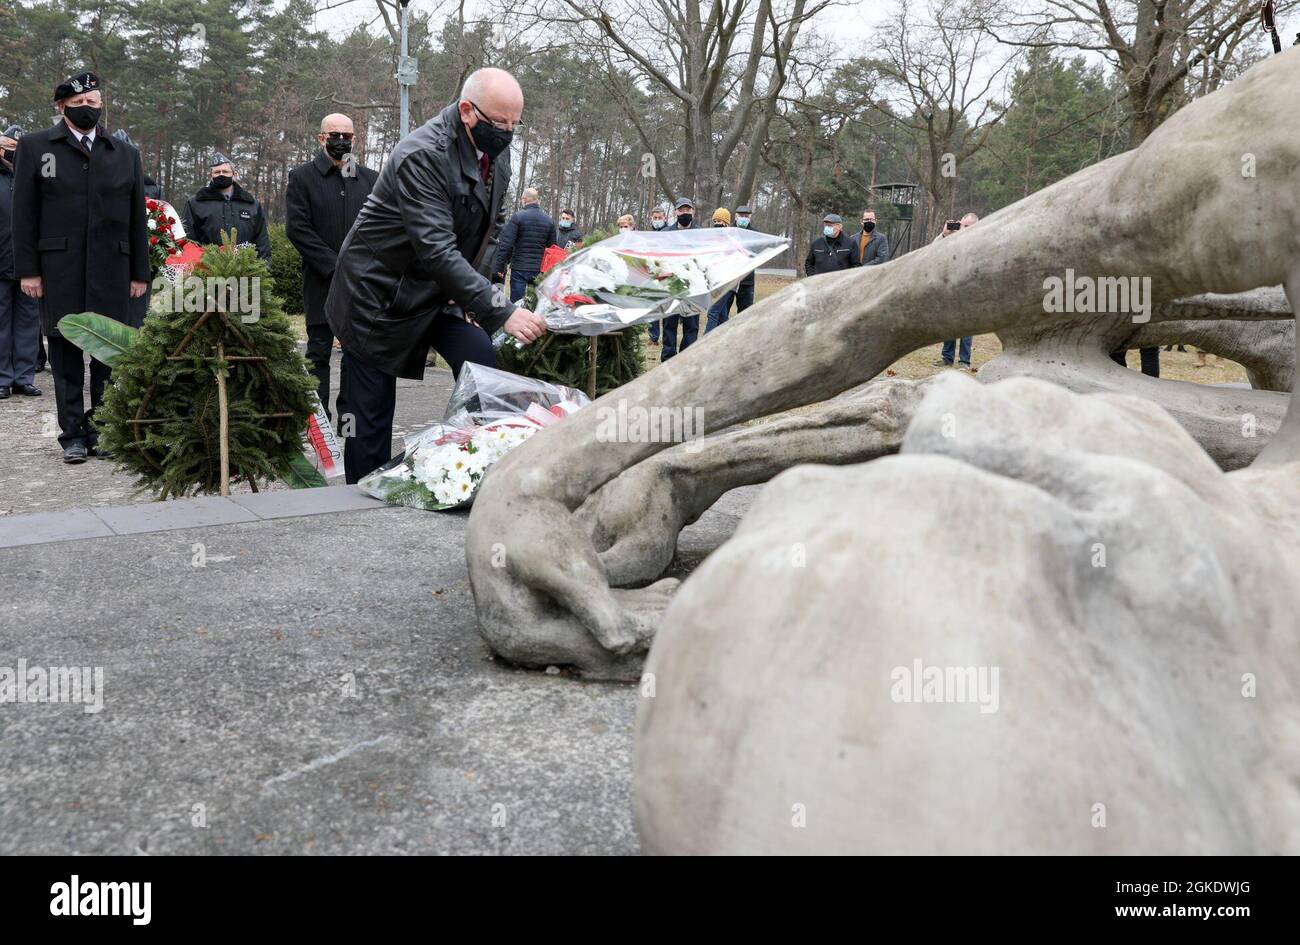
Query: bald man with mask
x=414, y=271
x=324, y=197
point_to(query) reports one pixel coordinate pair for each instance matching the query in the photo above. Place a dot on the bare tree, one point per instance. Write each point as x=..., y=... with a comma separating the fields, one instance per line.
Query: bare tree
x=724, y=61
x=1157, y=46
x=944, y=76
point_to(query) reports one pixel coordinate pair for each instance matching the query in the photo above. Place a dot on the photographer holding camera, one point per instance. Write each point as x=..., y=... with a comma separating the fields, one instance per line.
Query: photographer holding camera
x=962, y=346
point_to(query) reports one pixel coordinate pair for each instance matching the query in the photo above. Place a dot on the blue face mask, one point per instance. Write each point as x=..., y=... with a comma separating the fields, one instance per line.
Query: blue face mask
x=828, y=231
x=742, y=222
x=565, y=224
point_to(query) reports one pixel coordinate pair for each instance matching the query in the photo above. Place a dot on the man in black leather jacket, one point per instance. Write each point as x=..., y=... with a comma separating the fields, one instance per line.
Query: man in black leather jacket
x=410, y=275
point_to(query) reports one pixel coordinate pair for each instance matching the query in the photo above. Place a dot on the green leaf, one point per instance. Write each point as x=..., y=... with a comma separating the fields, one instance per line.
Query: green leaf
x=302, y=474
x=98, y=335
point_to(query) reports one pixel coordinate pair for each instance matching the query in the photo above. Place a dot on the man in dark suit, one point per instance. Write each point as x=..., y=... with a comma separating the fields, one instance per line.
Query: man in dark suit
x=325, y=195
x=411, y=274
x=80, y=241
x=222, y=204
x=690, y=324
x=20, y=316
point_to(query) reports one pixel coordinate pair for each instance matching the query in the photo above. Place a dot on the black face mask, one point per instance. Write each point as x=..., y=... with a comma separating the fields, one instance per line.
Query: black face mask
x=490, y=139
x=868, y=226
x=84, y=117
x=684, y=219
x=222, y=182
x=337, y=148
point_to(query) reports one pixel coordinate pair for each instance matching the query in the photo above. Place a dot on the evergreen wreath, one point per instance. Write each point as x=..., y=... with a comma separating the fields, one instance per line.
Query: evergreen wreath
x=161, y=416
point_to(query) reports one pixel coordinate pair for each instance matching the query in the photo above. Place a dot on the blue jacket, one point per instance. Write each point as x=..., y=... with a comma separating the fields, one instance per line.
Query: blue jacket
x=524, y=239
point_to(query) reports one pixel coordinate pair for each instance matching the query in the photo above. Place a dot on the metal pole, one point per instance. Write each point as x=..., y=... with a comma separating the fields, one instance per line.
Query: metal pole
x=407, y=72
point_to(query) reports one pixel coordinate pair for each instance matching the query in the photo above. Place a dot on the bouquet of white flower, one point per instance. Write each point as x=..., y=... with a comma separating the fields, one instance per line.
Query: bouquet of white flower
x=644, y=276
x=490, y=413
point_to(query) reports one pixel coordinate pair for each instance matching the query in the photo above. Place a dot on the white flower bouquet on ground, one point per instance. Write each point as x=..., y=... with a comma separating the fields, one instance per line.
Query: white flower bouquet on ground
x=638, y=277
x=490, y=413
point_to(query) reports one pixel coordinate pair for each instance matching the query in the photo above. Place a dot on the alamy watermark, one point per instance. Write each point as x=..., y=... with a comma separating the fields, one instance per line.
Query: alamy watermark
x=238, y=295
x=78, y=685
x=1099, y=295
x=955, y=684
x=624, y=423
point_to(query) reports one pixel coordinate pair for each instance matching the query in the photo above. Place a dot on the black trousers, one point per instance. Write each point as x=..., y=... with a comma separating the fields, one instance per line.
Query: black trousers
x=1150, y=360
x=68, y=365
x=320, y=344
x=368, y=396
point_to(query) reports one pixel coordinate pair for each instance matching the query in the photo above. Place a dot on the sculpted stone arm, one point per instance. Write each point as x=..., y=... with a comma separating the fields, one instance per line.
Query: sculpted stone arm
x=635, y=518
x=539, y=584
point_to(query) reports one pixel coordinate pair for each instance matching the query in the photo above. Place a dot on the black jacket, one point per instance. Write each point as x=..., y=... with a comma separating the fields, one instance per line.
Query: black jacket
x=873, y=248
x=322, y=203
x=418, y=248
x=523, y=241
x=6, y=224
x=207, y=213
x=82, y=231
x=567, y=237
x=831, y=255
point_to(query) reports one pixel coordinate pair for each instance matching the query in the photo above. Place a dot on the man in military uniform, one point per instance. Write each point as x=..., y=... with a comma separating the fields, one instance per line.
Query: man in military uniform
x=413, y=273
x=80, y=241
x=222, y=204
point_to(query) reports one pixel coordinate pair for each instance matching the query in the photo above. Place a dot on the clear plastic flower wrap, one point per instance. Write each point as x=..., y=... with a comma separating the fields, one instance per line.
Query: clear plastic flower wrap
x=490, y=412
x=643, y=276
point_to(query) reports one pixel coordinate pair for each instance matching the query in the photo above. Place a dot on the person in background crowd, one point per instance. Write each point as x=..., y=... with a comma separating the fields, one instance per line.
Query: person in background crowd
x=833, y=251
x=720, y=310
x=93, y=200
x=570, y=236
x=523, y=242
x=873, y=246
x=223, y=205
x=626, y=223
x=960, y=347
x=413, y=272
x=20, y=315
x=743, y=293
x=323, y=199
x=658, y=221
x=690, y=324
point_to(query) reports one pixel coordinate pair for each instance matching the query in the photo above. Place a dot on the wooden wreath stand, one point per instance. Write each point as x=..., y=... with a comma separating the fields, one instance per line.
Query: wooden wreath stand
x=218, y=361
x=615, y=336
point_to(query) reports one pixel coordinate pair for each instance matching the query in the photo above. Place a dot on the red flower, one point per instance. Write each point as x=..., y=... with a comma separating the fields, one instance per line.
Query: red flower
x=151, y=204
x=153, y=241
x=575, y=299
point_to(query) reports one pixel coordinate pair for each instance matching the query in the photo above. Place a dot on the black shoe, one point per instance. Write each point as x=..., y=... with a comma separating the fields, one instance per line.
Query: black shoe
x=76, y=453
x=4, y=393
x=100, y=453
x=27, y=390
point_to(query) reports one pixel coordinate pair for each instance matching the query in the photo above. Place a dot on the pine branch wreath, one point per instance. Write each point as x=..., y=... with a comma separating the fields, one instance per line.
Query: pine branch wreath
x=161, y=415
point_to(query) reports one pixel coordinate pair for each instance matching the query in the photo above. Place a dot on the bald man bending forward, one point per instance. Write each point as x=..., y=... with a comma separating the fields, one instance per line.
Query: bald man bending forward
x=408, y=275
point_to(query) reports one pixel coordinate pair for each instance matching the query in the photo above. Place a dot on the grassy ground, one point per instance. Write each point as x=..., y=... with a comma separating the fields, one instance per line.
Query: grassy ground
x=1175, y=365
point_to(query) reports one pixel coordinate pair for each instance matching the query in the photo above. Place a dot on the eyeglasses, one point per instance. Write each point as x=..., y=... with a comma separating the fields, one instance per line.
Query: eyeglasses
x=339, y=135
x=499, y=125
